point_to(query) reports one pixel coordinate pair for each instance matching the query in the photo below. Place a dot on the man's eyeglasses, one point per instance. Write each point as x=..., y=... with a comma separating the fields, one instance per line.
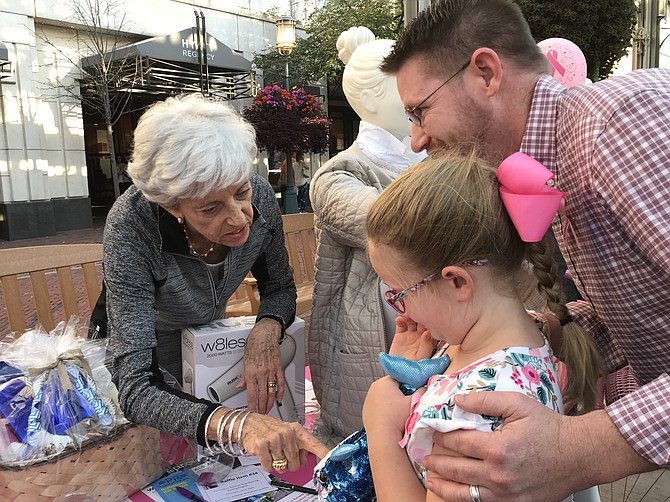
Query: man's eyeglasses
x=415, y=114
x=395, y=298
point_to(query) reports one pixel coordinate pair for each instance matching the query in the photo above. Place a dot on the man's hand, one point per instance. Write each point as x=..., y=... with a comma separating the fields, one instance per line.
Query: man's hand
x=536, y=455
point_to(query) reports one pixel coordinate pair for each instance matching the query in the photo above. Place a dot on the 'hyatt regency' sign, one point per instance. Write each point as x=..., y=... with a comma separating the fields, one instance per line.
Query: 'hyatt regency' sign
x=189, y=49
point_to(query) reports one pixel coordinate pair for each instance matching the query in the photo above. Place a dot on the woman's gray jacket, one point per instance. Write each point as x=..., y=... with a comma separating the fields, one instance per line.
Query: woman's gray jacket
x=346, y=327
x=155, y=288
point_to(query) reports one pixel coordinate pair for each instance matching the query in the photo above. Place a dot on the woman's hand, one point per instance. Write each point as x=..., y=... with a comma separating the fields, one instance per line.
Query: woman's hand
x=262, y=366
x=271, y=439
x=412, y=340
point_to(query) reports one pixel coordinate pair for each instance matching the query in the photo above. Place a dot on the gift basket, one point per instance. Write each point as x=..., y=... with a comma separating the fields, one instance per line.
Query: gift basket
x=61, y=428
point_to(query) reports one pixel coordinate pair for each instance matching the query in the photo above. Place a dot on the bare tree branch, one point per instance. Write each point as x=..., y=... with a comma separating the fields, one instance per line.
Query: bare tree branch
x=105, y=84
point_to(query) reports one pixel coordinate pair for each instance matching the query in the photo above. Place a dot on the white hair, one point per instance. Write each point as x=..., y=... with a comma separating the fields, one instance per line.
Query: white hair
x=188, y=146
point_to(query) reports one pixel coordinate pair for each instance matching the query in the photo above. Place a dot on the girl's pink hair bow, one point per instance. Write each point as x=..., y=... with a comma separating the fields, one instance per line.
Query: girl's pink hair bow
x=529, y=201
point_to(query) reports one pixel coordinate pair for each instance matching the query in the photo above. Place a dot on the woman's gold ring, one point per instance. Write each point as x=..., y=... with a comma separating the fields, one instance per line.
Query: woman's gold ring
x=272, y=386
x=280, y=465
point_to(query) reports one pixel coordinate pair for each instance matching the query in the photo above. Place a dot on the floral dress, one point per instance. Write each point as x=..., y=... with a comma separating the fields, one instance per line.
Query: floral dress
x=530, y=371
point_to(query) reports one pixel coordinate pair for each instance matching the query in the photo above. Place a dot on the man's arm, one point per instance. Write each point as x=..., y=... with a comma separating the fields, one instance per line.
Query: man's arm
x=643, y=420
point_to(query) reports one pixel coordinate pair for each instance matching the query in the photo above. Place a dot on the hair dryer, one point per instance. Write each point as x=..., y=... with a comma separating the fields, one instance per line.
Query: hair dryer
x=225, y=387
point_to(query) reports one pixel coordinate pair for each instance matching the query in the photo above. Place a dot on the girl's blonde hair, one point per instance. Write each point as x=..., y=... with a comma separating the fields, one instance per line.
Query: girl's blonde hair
x=448, y=210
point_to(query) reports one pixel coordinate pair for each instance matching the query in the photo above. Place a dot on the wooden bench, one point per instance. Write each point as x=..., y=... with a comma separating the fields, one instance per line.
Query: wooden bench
x=50, y=274
x=245, y=300
x=301, y=245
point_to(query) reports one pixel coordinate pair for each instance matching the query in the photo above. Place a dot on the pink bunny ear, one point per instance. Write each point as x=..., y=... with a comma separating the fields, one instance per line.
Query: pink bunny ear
x=530, y=203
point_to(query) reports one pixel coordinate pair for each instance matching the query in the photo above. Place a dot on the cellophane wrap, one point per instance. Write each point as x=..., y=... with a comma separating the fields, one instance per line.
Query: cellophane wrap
x=56, y=394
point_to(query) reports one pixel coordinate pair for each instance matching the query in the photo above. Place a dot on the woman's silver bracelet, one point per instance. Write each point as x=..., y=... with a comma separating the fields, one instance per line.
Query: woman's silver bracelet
x=207, y=422
x=222, y=425
x=239, y=435
x=229, y=447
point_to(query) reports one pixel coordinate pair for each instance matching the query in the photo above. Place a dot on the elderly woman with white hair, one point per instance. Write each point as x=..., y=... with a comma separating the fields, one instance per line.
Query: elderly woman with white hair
x=176, y=247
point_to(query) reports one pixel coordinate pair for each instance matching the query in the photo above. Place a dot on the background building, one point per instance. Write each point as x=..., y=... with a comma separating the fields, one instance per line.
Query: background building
x=55, y=154
x=650, y=47
x=55, y=166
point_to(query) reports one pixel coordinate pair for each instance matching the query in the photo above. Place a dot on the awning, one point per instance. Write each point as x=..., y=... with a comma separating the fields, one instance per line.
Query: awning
x=176, y=63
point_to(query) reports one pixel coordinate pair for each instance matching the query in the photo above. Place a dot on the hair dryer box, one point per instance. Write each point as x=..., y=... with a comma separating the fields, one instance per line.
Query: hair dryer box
x=212, y=364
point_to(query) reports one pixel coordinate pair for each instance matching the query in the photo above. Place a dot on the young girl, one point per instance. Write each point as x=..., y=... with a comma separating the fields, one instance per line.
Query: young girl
x=441, y=237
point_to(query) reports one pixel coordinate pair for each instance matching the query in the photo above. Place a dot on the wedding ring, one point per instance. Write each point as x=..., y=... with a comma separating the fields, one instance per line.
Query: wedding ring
x=475, y=496
x=280, y=465
x=272, y=386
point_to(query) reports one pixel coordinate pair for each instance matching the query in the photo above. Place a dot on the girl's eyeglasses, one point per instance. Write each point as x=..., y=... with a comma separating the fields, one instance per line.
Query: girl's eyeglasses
x=395, y=298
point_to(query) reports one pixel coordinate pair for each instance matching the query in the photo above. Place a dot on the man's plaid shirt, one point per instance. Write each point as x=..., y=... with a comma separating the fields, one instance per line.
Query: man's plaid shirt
x=609, y=146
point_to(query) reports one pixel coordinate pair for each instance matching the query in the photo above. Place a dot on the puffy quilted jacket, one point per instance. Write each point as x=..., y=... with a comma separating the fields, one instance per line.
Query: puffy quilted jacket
x=347, y=328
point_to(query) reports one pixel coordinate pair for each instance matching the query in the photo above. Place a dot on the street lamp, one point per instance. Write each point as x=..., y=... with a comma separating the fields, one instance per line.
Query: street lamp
x=285, y=35
x=285, y=40
x=285, y=46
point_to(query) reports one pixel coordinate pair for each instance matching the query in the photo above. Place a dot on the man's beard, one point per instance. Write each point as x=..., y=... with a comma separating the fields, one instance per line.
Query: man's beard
x=473, y=134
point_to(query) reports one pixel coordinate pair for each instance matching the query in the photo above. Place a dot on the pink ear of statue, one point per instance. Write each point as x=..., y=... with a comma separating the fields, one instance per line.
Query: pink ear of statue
x=568, y=64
